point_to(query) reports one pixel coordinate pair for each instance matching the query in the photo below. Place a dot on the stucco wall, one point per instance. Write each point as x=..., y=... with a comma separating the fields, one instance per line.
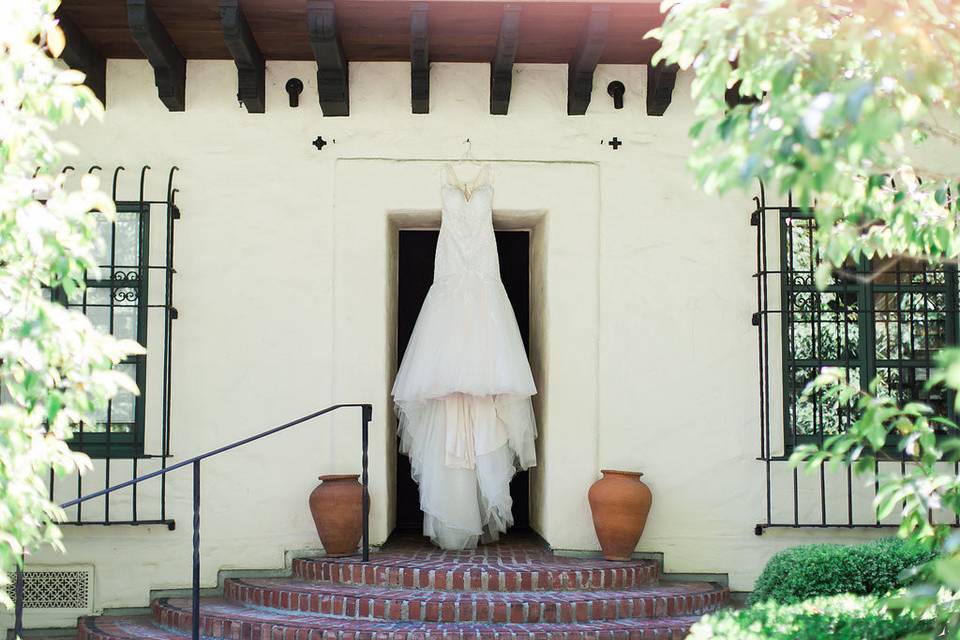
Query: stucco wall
x=272, y=298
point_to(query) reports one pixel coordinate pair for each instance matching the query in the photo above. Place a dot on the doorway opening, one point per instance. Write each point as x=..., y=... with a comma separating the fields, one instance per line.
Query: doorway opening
x=415, y=275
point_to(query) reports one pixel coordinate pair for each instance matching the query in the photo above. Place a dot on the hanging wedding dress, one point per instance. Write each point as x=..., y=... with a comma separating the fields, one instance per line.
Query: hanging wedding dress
x=463, y=392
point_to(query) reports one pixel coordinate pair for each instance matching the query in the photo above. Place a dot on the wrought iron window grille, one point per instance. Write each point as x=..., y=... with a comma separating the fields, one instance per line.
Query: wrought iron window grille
x=877, y=319
x=133, y=290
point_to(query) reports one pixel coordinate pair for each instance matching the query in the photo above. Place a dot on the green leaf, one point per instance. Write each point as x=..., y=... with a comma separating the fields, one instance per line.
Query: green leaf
x=948, y=570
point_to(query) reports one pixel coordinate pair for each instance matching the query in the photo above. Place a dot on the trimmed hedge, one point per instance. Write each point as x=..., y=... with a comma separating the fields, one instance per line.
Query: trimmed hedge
x=843, y=617
x=800, y=573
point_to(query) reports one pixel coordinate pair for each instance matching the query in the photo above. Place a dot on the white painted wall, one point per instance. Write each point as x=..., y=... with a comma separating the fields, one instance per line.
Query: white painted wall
x=645, y=352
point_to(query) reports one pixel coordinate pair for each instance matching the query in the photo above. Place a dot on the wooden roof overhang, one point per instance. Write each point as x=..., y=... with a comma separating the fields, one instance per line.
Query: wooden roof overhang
x=580, y=33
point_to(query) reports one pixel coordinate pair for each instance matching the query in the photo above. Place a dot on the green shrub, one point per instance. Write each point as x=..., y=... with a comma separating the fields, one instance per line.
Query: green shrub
x=800, y=573
x=844, y=617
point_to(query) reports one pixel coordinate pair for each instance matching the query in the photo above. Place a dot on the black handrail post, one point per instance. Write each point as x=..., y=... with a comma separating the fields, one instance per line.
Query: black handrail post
x=194, y=462
x=365, y=431
x=196, y=550
x=18, y=605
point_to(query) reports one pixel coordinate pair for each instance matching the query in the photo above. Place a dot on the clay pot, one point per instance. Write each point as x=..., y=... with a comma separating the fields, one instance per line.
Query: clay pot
x=337, y=505
x=620, y=503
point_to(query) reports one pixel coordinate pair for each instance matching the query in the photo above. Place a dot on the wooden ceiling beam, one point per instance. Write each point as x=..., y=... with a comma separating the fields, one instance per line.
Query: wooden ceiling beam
x=333, y=80
x=501, y=67
x=169, y=66
x=419, y=58
x=251, y=66
x=79, y=54
x=661, y=79
x=585, y=58
x=379, y=30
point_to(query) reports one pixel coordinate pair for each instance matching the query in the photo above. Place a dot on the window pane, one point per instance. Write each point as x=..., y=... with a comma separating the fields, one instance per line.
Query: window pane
x=120, y=240
x=127, y=252
x=824, y=326
x=104, y=231
x=800, y=250
x=909, y=325
x=802, y=257
x=121, y=413
x=908, y=384
x=98, y=307
x=125, y=307
x=815, y=414
x=902, y=270
x=125, y=321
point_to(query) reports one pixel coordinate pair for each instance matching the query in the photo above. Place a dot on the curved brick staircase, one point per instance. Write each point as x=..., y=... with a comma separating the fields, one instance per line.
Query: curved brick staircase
x=499, y=592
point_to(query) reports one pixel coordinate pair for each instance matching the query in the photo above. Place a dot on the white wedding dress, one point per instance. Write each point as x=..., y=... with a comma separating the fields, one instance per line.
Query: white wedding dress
x=463, y=392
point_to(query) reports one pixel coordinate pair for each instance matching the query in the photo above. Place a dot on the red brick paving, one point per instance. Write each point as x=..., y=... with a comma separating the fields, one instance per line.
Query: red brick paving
x=514, y=591
x=395, y=603
x=534, y=571
x=257, y=626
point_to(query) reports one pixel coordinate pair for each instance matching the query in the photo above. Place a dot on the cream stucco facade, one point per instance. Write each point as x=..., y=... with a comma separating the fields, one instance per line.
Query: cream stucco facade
x=641, y=300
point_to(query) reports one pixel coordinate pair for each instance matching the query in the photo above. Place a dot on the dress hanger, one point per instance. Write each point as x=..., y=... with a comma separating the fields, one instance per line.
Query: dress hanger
x=482, y=177
x=467, y=156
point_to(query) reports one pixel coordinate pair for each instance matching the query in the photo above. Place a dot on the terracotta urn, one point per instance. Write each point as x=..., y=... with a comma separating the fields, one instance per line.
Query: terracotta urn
x=620, y=502
x=337, y=505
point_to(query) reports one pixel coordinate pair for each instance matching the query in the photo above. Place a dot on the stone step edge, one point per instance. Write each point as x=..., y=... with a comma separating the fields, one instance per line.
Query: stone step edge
x=242, y=623
x=474, y=578
x=486, y=607
x=144, y=628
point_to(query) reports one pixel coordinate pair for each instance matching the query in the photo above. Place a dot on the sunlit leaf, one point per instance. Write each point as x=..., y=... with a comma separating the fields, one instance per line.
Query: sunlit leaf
x=55, y=41
x=56, y=369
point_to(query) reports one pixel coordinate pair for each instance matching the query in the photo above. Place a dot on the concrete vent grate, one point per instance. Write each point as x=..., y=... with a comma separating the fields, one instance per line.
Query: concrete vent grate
x=55, y=588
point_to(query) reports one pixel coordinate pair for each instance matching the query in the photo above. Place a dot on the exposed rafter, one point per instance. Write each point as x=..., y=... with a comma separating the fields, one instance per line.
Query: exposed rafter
x=333, y=82
x=251, y=67
x=585, y=58
x=379, y=30
x=169, y=66
x=419, y=58
x=79, y=54
x=660, y=82
x=501, y=67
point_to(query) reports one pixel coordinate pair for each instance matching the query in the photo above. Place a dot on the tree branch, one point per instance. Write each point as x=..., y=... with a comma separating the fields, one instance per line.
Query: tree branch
x=937, y=130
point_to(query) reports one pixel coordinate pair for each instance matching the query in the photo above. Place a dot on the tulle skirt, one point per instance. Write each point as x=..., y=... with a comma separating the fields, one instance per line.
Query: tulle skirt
x=463, y=398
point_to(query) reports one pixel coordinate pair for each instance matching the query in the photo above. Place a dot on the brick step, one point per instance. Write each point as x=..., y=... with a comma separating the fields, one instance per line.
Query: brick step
x=220, y=619
x=397, y=604
x=124, y=628
x=516, y=570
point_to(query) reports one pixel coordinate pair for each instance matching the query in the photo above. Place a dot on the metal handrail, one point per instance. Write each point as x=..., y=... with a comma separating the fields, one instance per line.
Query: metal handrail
x=366, y=417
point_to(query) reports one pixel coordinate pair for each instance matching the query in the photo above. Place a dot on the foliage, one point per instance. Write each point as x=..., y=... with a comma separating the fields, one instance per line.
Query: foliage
x=835, y=100
x=799, y=573
x=844, y=617
x=844, y=90
x=55, y=368
x=925, y=490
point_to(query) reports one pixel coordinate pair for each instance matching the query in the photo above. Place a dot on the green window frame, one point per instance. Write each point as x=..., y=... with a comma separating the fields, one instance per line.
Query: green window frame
x=117, y=301
x=881, y=318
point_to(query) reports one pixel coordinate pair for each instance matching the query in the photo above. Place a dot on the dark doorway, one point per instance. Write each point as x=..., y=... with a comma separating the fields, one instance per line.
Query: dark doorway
x=416, y=252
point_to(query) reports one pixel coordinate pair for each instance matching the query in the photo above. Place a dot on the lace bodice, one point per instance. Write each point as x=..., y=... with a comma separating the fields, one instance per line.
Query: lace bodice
x=467, y=244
